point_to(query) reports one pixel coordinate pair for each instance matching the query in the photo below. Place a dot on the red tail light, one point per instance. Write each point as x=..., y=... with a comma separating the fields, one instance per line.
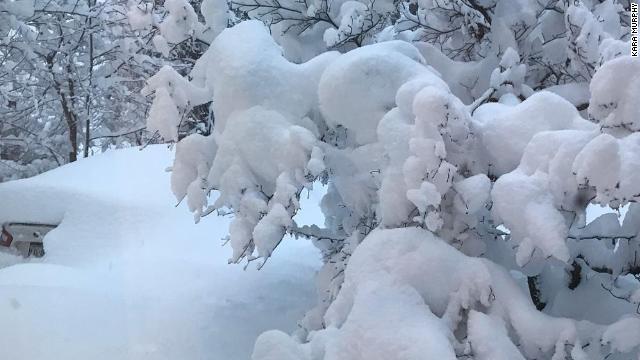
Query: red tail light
x=5, y=237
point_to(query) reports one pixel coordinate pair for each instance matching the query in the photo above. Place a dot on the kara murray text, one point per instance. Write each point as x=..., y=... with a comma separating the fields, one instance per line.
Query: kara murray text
x=634, y=29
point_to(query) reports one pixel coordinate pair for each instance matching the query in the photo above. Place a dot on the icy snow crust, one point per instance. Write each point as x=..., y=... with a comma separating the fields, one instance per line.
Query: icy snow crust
x=437, y=179
x=127, y=275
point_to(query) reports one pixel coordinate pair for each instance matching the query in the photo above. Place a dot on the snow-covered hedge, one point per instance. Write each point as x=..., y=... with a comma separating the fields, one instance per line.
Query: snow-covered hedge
x=455, y=228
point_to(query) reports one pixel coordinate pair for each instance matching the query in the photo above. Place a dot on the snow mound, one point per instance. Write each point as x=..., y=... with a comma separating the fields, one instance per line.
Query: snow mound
x=127, y=275
x=417, y=314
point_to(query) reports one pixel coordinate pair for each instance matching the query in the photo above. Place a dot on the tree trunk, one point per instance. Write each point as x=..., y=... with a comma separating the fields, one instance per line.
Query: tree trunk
x=67, y=111
x=87, y=130
x=73, y=139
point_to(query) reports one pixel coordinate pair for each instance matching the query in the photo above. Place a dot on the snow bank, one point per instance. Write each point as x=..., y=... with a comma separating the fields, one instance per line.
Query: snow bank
x=127, y=275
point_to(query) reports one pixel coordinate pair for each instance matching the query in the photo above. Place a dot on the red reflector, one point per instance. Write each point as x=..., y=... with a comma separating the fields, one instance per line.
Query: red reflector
x=6, y=238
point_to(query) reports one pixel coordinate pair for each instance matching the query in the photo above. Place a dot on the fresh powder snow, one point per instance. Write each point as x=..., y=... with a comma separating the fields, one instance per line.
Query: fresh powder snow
x=127, y=275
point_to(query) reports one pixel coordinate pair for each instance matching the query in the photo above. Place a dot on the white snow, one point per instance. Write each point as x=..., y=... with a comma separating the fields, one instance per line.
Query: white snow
x=456, y=208
x=358, y=88
x=623, y=334
x=489, y=339
x=127, y=275
x=139, y=16
x=614, y=88
x=181, y=22
x=543, y=111
x=243, y=59
x=394, y=274
x=399, y=151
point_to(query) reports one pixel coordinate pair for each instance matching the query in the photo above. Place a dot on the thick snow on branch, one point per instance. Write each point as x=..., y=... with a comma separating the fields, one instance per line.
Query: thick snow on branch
x=613, y=89
x=408, y=295
x=452, y=229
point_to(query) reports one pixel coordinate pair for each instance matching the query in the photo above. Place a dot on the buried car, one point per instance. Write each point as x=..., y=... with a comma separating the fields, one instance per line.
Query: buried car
x=24, y=238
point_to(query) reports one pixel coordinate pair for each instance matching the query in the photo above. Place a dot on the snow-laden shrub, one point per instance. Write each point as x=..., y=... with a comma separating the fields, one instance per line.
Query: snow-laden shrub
x=557, y=42
x=453, y=229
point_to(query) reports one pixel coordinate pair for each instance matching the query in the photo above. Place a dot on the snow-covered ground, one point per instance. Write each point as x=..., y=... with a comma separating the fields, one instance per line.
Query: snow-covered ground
x=127, y=275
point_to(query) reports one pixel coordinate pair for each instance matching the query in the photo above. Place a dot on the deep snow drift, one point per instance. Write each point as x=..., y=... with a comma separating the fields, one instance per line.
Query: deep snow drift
x=129, y=276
